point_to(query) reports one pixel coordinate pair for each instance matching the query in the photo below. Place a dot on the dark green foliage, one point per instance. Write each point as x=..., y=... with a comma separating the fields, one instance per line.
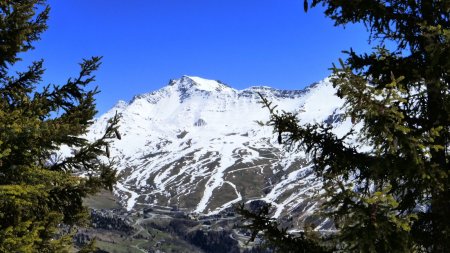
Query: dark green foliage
x=395, y=197
x=213, y=241
x=277, y=238
x=101, y=221
x=39, y=192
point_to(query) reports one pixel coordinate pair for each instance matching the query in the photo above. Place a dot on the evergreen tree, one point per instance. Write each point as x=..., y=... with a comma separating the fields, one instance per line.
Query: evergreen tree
x=395, y=197
x=40, y=196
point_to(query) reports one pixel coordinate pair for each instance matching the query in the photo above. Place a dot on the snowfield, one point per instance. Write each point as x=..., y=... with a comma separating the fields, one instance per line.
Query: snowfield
x=195, y=144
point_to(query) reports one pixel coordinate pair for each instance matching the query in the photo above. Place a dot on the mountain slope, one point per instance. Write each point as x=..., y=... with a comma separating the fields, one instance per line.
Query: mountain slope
x=195, y=144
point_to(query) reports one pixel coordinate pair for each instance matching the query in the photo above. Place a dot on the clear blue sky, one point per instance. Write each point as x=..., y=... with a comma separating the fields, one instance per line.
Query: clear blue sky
x=147, y=42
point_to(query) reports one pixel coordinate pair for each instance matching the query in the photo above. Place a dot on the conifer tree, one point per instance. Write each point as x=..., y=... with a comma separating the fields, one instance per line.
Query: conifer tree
x=395, y=197
x=40, y=196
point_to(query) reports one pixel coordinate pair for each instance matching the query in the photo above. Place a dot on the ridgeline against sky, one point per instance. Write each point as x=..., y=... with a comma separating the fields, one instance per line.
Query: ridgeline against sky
x=146, y=43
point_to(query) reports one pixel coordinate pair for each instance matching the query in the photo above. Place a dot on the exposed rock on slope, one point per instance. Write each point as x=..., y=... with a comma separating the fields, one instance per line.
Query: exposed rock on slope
x=195, y=144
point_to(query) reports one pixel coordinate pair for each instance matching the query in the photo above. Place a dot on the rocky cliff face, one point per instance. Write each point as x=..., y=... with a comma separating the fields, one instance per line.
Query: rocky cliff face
x=195, y=144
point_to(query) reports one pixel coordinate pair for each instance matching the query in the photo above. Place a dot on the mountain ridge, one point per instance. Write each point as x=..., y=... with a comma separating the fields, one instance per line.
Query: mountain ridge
x=195, y=144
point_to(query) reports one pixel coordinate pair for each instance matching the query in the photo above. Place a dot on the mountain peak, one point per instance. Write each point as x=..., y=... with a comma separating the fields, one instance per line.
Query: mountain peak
x=195, y=144
x=198, y=83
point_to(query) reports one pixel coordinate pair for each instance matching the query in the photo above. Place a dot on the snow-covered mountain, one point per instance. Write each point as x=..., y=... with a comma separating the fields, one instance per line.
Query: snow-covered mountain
x=195, y=144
